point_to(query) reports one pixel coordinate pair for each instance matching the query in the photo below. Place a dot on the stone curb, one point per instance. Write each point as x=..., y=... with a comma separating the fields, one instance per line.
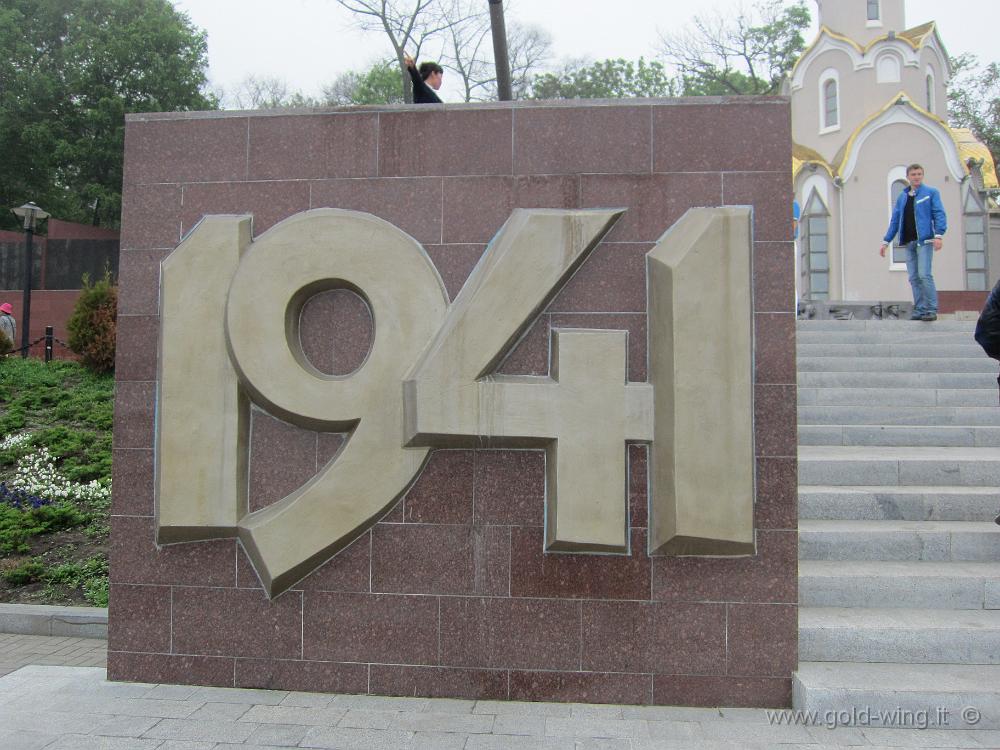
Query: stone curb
x=39, y=619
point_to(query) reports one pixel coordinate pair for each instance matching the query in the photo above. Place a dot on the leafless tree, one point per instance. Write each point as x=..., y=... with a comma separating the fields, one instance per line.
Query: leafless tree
x=748, y=51
x=468, y=47
x=263, y=92
x=408, y=24
x=469, y=51
x=462, y=28
x=530, y=47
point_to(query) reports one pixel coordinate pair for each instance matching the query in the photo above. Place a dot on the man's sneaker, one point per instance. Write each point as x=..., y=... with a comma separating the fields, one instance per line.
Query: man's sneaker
x=917, y=316
x=929, y=316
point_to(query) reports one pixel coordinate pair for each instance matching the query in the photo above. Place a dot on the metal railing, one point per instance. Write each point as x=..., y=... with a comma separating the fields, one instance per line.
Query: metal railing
x=50, y=343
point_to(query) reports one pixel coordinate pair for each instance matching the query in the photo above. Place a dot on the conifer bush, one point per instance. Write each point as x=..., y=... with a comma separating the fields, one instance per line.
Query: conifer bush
x=93, y=323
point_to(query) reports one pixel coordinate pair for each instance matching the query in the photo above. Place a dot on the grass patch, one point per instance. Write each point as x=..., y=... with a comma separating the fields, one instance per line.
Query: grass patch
x=55, y=436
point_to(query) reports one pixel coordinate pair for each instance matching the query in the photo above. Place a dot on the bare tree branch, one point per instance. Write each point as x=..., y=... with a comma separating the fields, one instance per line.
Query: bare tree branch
x=407, y=25
x=746, y=52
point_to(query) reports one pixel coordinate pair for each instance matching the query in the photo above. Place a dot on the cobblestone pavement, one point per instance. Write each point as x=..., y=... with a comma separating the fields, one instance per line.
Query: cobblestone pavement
x=17, y=651
x=69, y=707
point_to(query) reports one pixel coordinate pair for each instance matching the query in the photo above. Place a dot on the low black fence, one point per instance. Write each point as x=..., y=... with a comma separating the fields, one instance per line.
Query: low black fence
x=50, y=343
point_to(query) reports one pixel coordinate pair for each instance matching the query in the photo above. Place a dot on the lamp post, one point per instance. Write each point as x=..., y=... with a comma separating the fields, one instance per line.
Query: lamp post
x=504, y=92
x=31, y=215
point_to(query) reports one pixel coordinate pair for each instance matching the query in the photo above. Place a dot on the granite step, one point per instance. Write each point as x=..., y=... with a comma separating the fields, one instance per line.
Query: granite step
x=868, y=336
x=918, y=416
x=969, y=350
x=864, y=465
x=900, y=695
x=891, y=584
x=822, y=378
x=899, y=540
x=901, y=636
x=900, y=327
x=892, y=365
x=893, y=435
x=904, y=397
x=913, y=503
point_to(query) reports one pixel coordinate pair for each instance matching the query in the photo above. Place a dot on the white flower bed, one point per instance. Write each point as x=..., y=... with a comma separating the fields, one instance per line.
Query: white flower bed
x=16, y=440
x=36, y=474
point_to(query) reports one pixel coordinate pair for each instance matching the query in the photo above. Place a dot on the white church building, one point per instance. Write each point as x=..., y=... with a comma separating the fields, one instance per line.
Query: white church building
x=868, y=98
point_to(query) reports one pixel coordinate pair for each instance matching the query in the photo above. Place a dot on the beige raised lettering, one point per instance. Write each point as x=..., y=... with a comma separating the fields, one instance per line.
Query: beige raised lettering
x=582, y=415
x=230, y=313
x=701, y=365
x=202, y=417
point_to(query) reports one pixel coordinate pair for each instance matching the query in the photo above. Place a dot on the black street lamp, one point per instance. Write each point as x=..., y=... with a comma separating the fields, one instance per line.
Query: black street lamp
x=31, y=214
x=500, y=56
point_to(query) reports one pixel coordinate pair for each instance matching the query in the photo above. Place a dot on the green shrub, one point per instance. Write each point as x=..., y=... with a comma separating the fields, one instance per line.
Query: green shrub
x=17, y=526
x=91, y=575
x=27, y=572
x=92, y=324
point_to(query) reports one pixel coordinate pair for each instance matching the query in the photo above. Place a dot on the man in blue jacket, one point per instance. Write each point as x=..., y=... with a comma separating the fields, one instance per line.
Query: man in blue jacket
x=918, y=218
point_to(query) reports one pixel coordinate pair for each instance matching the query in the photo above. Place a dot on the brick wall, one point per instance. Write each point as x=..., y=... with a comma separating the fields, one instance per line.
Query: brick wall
x=450, y=594
x=48, y=308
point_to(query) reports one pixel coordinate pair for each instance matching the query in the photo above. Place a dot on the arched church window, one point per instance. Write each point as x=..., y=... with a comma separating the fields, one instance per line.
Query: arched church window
x=976, y=266
x=930, y=90
x=831, y=104
x=874, y=12
x=814, y=249
x=887, y=69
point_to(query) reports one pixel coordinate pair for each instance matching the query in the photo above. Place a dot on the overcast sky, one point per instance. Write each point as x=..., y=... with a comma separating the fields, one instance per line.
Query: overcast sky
x=308, y=42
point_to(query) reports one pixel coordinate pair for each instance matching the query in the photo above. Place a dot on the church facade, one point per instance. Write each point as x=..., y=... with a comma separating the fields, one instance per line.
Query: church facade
x=869, y=97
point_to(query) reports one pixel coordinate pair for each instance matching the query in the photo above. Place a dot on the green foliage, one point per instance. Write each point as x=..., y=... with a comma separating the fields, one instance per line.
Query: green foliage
x=92, y=325
x=69, y=72
x=68, y=408
x=606, y=79
x=382, y=83
x=91, y=575
x=27, y=572
x=745, y=53
x=974, y=100
x=18, y=526
x=85, y=454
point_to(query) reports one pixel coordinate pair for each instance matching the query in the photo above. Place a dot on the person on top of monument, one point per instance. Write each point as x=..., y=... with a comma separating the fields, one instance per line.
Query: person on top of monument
x=426, y=80
x=918, y=219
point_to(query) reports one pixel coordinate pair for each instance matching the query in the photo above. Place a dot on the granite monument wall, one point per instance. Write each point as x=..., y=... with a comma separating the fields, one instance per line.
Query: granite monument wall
x=450, y=593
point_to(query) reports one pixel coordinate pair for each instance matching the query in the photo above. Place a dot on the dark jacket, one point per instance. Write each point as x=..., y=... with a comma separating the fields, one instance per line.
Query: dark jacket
x=422, y=93
x=988, y=325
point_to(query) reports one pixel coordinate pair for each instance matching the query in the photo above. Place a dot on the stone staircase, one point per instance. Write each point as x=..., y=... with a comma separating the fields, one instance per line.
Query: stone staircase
x=899, y=558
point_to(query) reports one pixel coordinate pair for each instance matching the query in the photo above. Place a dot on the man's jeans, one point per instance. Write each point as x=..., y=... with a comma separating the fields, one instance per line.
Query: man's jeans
x=918, y=263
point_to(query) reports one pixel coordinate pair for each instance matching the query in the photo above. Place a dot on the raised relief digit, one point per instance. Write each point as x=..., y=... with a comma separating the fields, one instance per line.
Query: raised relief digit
x=582, y=415
x=307, y=254
x=201, y=420
x=701, y=365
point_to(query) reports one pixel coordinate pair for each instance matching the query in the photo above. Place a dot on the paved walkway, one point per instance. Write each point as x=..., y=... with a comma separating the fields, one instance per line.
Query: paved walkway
x=43, y=705
x=17, y=651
